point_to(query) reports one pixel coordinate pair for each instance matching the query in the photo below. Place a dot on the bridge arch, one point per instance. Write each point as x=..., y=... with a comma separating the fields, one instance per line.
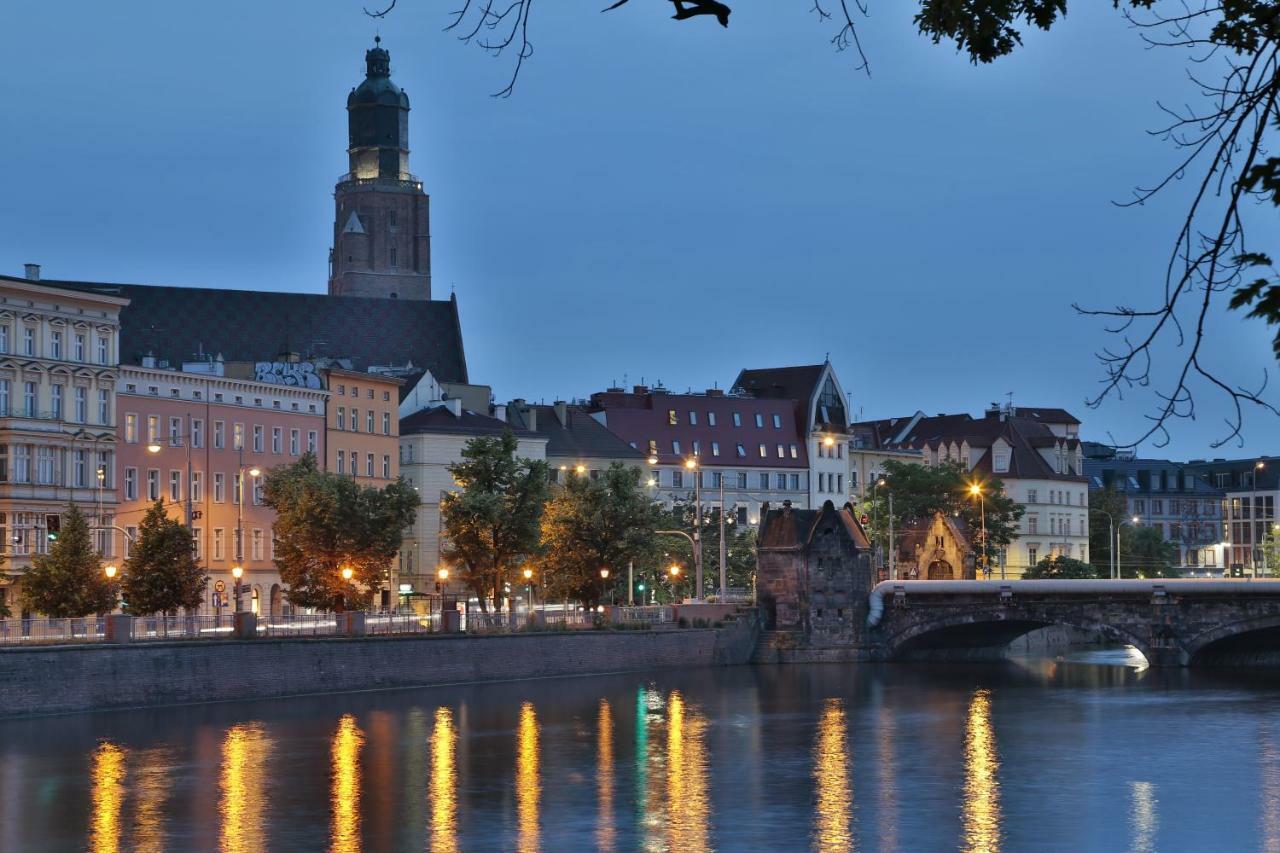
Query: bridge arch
x=986, y=633
x=1244, y=641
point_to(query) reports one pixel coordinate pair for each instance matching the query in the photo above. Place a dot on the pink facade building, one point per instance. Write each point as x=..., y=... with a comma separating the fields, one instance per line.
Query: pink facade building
x=189, y=439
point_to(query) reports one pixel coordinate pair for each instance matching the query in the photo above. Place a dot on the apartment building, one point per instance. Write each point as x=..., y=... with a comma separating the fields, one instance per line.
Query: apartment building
x=201, y=443
x=363, y=424
x=1250, y=491
x=58, y=372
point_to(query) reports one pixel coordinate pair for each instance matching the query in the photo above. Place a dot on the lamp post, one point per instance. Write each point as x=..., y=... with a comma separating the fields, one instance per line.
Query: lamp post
x=692, y=464
x=1112, y=544
x=604, y=581
x=674, y=573
x=236, y=573
x=252, y=471
x=1259, y=554
x=528, y=585
x=154, y=446
x=110, y=572
x=976, y=490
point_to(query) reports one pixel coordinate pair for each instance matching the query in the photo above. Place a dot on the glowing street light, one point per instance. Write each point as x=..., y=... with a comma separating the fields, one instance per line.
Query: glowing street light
x=975, y=489
x=110, y=572
x=828, y=441
x=237, y=572
x=347, y=573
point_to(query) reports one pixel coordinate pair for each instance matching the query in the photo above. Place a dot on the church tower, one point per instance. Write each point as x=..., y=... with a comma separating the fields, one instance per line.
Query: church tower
x=381, y=234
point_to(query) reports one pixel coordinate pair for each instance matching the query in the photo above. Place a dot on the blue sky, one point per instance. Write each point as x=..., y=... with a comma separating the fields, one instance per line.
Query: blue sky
x=658, y=200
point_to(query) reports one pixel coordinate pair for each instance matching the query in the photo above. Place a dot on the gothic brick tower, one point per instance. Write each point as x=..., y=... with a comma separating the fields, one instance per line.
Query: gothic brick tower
x=381, y=233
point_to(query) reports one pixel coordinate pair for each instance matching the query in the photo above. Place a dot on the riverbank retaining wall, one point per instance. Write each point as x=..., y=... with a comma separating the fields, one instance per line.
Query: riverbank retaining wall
x=68, y=679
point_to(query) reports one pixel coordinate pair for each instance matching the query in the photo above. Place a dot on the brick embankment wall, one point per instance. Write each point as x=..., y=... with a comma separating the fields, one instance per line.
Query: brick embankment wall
x=84, y=678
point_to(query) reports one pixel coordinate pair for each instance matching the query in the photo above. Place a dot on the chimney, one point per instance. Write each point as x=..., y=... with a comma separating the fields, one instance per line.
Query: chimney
x=531, y=418
x=455, y=406
x=640, y=390
x=500, y=412
x=715, y=392
x=562, y=413
x=32, y=271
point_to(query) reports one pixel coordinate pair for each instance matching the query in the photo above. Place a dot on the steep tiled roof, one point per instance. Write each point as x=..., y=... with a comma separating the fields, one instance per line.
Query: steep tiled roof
x=787, y=527
x=582, y=437
x=781, y=383
x=250, y=325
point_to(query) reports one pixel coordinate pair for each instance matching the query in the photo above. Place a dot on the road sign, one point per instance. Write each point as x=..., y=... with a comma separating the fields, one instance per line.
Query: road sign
x=219, y=586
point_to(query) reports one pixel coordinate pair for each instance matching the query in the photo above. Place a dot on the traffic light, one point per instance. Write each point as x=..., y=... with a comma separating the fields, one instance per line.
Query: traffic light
x=640, y=587
x=52, y=527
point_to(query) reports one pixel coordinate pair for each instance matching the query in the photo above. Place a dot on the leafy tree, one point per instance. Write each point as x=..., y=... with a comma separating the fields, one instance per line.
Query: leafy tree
x=68, y=582
x=161, y=574
x=327, y=522
x=1061, y=568
x=740, y=553
x=492, y=524
x=1144, y=553
x=919, y=491
x=593, y=524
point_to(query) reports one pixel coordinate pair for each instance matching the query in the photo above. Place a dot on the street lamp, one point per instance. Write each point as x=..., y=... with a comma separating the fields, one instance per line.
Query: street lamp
x=1260, y=554
x=692, y=464
x=975, y=489
x=528, y=585
x=604, y=581
x=110, y=572
x=236, y=573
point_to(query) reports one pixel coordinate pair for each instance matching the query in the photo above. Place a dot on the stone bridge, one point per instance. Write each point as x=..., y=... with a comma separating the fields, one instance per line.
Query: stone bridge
x=1172, y=622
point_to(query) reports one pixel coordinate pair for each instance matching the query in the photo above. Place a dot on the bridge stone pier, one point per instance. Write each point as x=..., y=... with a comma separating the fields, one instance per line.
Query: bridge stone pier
x=1172, y=622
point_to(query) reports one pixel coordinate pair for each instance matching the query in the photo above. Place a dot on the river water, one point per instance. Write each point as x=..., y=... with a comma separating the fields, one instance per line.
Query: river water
x=1089, y=753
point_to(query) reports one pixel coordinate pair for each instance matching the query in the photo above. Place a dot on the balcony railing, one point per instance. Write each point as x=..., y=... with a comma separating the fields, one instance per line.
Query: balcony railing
x=403, y=181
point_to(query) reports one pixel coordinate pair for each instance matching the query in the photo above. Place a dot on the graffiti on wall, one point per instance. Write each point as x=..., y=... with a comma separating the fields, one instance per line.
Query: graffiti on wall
x=297, y=374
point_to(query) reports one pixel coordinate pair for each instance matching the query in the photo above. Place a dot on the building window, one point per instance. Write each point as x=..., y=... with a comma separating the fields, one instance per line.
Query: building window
x=1033, y=523
x=386, y=423
x=782, y=452
x=219, y=543
x=759, y=420
x=256, y=543
x=219, y=487
x=342, y=462
x=294, y=442
x=78, y=350
x=342, y=417
x=237, y=436
x=355, y=418
x=677, y=479
x=764, y=451
x=368, y=416
x=175, y=486
x=1032, y=551
x=102, y=350
x=55, y=401
x=4, y=338
x=4, y=396
x=672, y=420
x=741, y=450
x=697, y=450
x=29, y=399
x=675, y=447
x=693, y=418
x=777, y=421
x=715, y=448
x=219, y=435
x=22, y=463
x=711, y=418
x=28, y=341
x=795, y=482
x=780, y=479
x=393, y=256
x=368, y=465
x=737, y=419
x=197, y=487
x=277, y=440
x=795, y=452
x=386, y=467
x=55, y=345
x=175, y=432
x=258, y=438
x=153, y=484
x=104, y=406
x=311, y=441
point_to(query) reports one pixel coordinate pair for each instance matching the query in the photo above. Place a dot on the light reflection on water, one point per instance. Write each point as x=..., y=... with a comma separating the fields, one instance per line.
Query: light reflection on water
x=444, y=783
x=604, y=776
x=528, y=785
x=108, y=774
x=833, y=812
x=981, y=782
x=345, y=785
x=242, y=804
x=687, y=805
x=898, y=758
